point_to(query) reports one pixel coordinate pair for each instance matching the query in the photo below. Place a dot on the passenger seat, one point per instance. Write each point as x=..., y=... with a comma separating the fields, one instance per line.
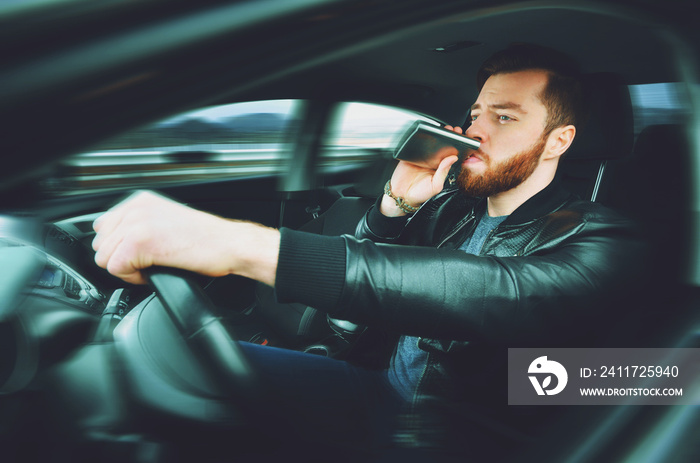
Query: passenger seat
x=297, y=325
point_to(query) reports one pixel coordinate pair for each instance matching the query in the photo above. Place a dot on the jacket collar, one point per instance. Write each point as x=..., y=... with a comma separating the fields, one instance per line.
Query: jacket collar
x=546, y=201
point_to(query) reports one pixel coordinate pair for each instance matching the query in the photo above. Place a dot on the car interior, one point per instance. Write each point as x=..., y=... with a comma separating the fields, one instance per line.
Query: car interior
x=99, y=368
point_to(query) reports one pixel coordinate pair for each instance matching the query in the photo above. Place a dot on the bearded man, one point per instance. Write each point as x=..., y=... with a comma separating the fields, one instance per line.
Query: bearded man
x=508, y=258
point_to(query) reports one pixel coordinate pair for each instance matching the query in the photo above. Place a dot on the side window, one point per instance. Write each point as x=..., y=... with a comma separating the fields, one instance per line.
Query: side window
x=218, y=142
x=661, y=103
x=360, y=132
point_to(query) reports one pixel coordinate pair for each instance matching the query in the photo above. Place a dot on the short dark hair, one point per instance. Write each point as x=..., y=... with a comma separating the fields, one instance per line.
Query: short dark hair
x=563, y=94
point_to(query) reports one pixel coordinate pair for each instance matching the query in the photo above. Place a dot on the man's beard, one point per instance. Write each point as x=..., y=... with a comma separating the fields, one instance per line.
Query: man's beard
x=503, y=176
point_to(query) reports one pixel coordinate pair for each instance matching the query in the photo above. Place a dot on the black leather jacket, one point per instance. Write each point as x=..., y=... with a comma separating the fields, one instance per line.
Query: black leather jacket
x=542, y=276
x=550, y=275
x=553, y=274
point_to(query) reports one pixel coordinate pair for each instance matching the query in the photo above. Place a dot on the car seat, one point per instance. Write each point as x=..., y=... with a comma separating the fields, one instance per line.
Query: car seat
x=296, y=325
x=653, y=188
x=605, y=137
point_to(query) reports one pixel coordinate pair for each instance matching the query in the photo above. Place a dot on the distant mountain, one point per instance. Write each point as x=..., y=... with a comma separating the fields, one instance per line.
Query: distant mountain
x=257, y=122
x=188, y=130
x=195, y=126
x=255, y=127
x=247, y=123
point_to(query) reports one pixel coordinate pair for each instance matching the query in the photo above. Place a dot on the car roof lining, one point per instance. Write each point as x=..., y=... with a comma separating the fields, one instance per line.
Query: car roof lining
x=405, y=71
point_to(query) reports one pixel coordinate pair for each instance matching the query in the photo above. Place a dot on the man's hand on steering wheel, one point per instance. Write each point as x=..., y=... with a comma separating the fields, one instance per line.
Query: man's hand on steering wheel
x=147, y=229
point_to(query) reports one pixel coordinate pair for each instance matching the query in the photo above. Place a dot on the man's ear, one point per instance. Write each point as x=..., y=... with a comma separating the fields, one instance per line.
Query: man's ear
x=559, y=141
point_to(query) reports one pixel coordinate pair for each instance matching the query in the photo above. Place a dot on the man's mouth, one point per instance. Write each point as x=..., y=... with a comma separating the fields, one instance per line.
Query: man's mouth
x=472, y=157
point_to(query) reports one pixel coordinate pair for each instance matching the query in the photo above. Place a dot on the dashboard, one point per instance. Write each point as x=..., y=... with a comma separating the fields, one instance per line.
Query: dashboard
x=58, y=280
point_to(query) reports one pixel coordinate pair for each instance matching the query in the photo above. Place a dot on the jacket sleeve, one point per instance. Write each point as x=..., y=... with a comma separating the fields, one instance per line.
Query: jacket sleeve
x=377, y=227
x=448, y=294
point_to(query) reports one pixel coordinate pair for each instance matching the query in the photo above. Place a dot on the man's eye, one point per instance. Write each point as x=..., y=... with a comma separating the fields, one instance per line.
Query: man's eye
x=505, y=118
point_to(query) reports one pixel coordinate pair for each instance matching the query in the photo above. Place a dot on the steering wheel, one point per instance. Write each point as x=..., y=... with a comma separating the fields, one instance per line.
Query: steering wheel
x=219, y=355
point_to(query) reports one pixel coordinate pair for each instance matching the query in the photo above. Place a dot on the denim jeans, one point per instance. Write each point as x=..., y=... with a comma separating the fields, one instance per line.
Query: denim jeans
x=319, y=402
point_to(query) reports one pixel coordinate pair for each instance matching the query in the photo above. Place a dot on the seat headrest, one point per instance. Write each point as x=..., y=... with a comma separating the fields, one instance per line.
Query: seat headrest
x=608, y=131
x=672, y=176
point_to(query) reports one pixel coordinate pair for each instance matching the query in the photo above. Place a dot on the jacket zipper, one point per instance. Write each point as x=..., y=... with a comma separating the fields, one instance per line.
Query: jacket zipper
x=458, y=228
x=420, y=378
x=486, y=240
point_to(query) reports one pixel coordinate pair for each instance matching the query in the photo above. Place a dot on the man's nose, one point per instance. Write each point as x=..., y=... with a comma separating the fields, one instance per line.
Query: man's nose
x=476, y=130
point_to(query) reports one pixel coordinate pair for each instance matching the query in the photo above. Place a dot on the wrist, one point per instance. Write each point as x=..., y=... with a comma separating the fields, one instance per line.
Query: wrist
x=396, y=206
x=388, y=208
x=257, y=252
